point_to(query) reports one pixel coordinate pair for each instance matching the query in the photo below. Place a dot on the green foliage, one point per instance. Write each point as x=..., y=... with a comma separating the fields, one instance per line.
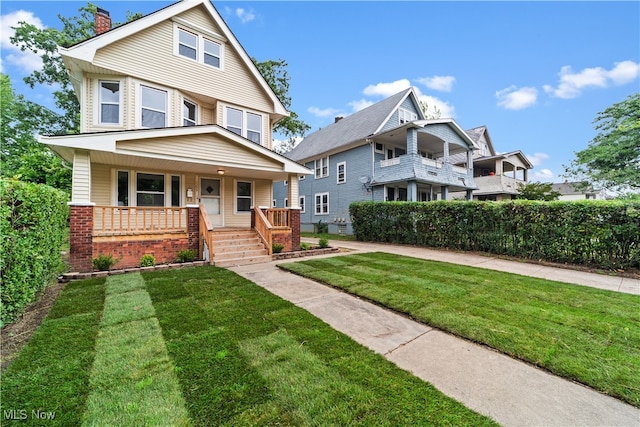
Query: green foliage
x=33, y=221
x=612, y=158
x=537, y=191
x=603, y=234
x=186, y=255
x=322, y=227
x=147, y=260
x=304, y=246
x=103, y=262
x=277, y=247
x=323, y=243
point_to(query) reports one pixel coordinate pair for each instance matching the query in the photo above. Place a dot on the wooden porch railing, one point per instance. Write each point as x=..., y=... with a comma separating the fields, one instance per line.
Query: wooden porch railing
x=205, y=235
x=115, y=220
x=264, y=228
x=279, y=217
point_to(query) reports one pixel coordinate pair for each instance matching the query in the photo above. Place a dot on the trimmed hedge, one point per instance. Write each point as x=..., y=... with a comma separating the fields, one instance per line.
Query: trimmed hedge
x=603, y=234
x=33, y=220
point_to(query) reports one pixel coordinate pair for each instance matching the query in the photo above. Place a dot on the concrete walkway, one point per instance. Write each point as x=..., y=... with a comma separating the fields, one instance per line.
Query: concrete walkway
x=511, y=392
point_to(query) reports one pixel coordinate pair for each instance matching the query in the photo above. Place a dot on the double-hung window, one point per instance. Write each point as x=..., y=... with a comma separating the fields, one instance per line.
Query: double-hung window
x=192, y=45
x=187, y=44
x=322, y=203
x=189, y=113
x=109, y=102
x=341, y=172
x=244, y=123
x=211, y=53
x=406, y=116
x=244, y=197
x=301, y=202
x=154, y=107
x=149, y=189
x=321, y=167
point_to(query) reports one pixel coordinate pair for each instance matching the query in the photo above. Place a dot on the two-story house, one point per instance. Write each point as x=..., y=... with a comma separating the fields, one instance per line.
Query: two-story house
x=387, y=151
x=496, y=175
x=174, y=150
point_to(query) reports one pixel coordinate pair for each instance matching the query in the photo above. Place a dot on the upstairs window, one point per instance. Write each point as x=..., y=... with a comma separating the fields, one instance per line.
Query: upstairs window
x=341, y=172
x=406, y=116
x=189, y=113
x=195, y=46
x=244, y=123
x=154, y=108
x=321, y=167
x=109, y=102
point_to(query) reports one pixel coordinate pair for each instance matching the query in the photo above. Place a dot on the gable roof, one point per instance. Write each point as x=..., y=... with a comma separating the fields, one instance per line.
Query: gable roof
x=572, y=188
x=85, y=51
x=476, y=134
x=352, y=129
x=516, y=153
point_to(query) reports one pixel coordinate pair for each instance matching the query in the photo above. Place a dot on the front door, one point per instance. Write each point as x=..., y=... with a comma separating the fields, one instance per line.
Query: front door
x=210, y=198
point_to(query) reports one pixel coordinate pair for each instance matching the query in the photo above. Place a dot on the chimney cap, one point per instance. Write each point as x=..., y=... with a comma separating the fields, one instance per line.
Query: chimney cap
x=102, y=11
x=338, y=118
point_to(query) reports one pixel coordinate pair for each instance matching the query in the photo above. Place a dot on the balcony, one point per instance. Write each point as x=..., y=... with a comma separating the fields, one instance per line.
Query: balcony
x=412, y=167
x=497, y=184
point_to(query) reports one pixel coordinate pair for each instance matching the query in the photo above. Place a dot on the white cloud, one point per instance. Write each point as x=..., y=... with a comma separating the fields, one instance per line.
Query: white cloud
x=572, y=84
x=514, y=98
x=326, y=112
x=360, y=104
x=245, y=15
x=537, y=159
x=441, y=83
x=26, y=61
x=387, y=89
x=543, y=175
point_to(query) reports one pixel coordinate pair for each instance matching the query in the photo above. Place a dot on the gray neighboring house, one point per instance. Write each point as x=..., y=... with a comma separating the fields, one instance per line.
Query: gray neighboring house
x=387, y=151
x=496, y=175
x=577, y=191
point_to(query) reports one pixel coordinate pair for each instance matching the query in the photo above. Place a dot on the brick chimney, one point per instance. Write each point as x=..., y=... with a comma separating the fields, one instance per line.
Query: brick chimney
x=103, y=21
x=337, y=119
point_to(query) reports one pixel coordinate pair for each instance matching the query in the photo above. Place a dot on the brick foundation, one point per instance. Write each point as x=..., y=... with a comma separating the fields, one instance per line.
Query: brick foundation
x=193, y=228
x=129, y=252
x=295, y=229
x=80, y=238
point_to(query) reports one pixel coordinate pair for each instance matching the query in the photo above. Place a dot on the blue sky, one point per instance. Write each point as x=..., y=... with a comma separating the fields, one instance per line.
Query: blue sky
x=535, y=73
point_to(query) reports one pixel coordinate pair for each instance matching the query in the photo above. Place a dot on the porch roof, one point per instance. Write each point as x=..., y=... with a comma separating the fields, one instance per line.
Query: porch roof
x=197, y=149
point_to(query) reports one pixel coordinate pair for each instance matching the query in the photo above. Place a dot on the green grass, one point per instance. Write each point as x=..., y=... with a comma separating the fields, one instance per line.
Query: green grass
x=204, y=346
x=328, y=236
x=588, y=335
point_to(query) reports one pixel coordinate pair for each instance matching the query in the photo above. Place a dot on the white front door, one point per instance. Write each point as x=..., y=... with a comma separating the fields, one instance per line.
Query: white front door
x=211, y=199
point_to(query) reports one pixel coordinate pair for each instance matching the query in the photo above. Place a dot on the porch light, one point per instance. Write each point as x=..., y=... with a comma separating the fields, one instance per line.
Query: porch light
x=220, y=171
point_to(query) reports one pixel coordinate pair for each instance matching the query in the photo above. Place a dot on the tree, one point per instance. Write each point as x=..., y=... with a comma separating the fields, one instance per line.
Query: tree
x=425, y=109
x=612, y=158
x=537, y=191
x=275, y=73
x=21, y=155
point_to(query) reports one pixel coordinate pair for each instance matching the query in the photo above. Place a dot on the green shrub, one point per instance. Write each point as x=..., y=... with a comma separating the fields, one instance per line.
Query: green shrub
x=277, y=248
x=323, y=243
x=103, y=262
x=33, y=223
x=186, y=255
x=602, y=234
x=147, y=260
x=322, y=227
x=304, y=246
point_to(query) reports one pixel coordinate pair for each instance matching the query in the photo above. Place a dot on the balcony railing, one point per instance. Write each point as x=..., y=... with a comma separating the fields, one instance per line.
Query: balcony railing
x=115, y=220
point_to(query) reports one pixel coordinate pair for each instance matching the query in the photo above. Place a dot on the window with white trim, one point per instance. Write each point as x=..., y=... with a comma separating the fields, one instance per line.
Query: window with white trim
x=301, y=202
x=123, y=188
x=195, y=46
x=341, y=172
x=322, y=204
x=321, y=167
x=301, y=177
x=286, y=202
x=189, y=113
x=149, y=189
x=153, y=112
x=379, y=148
x=110, y=100
x=405, y=116
x=244, y=196
x=244, y=123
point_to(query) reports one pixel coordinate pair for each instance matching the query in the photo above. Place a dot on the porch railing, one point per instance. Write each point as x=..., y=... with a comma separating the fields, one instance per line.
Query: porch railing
x=114, y=220
x=264, y=228
x=205, y=235
x=279, y=217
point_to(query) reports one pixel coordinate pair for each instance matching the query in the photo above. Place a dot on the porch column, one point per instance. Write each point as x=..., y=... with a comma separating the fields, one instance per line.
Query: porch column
x=469, y=194
x=444, y=192
x=295, y=228
x=81, y=237
x=81, y=178
x=193, y=227
x=470, y=160
x=412, y=191
x=412, y=141
x=292, y=192
x=446, y=151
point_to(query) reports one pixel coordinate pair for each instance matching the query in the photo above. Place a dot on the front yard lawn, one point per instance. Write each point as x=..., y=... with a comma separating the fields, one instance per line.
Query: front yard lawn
x=588, y=335
x=204, y=346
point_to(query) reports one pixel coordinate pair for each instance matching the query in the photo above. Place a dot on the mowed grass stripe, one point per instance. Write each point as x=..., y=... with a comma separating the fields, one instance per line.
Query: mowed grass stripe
x=50, y=376
x=584, y=334
x=133, y=380
x=246, y=357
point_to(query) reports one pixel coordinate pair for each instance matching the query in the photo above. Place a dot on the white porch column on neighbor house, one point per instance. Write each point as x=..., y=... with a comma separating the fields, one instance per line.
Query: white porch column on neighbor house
x=292, y=192
x=470, y=160
x=444, y=192
x=81, y=179
x=446, y=151
x=412, y=141
x=412, y=191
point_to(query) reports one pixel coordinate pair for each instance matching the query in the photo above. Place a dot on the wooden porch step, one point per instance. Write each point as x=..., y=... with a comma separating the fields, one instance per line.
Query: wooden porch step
x=221, y=256
x=243, y=261
x=238, y=247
